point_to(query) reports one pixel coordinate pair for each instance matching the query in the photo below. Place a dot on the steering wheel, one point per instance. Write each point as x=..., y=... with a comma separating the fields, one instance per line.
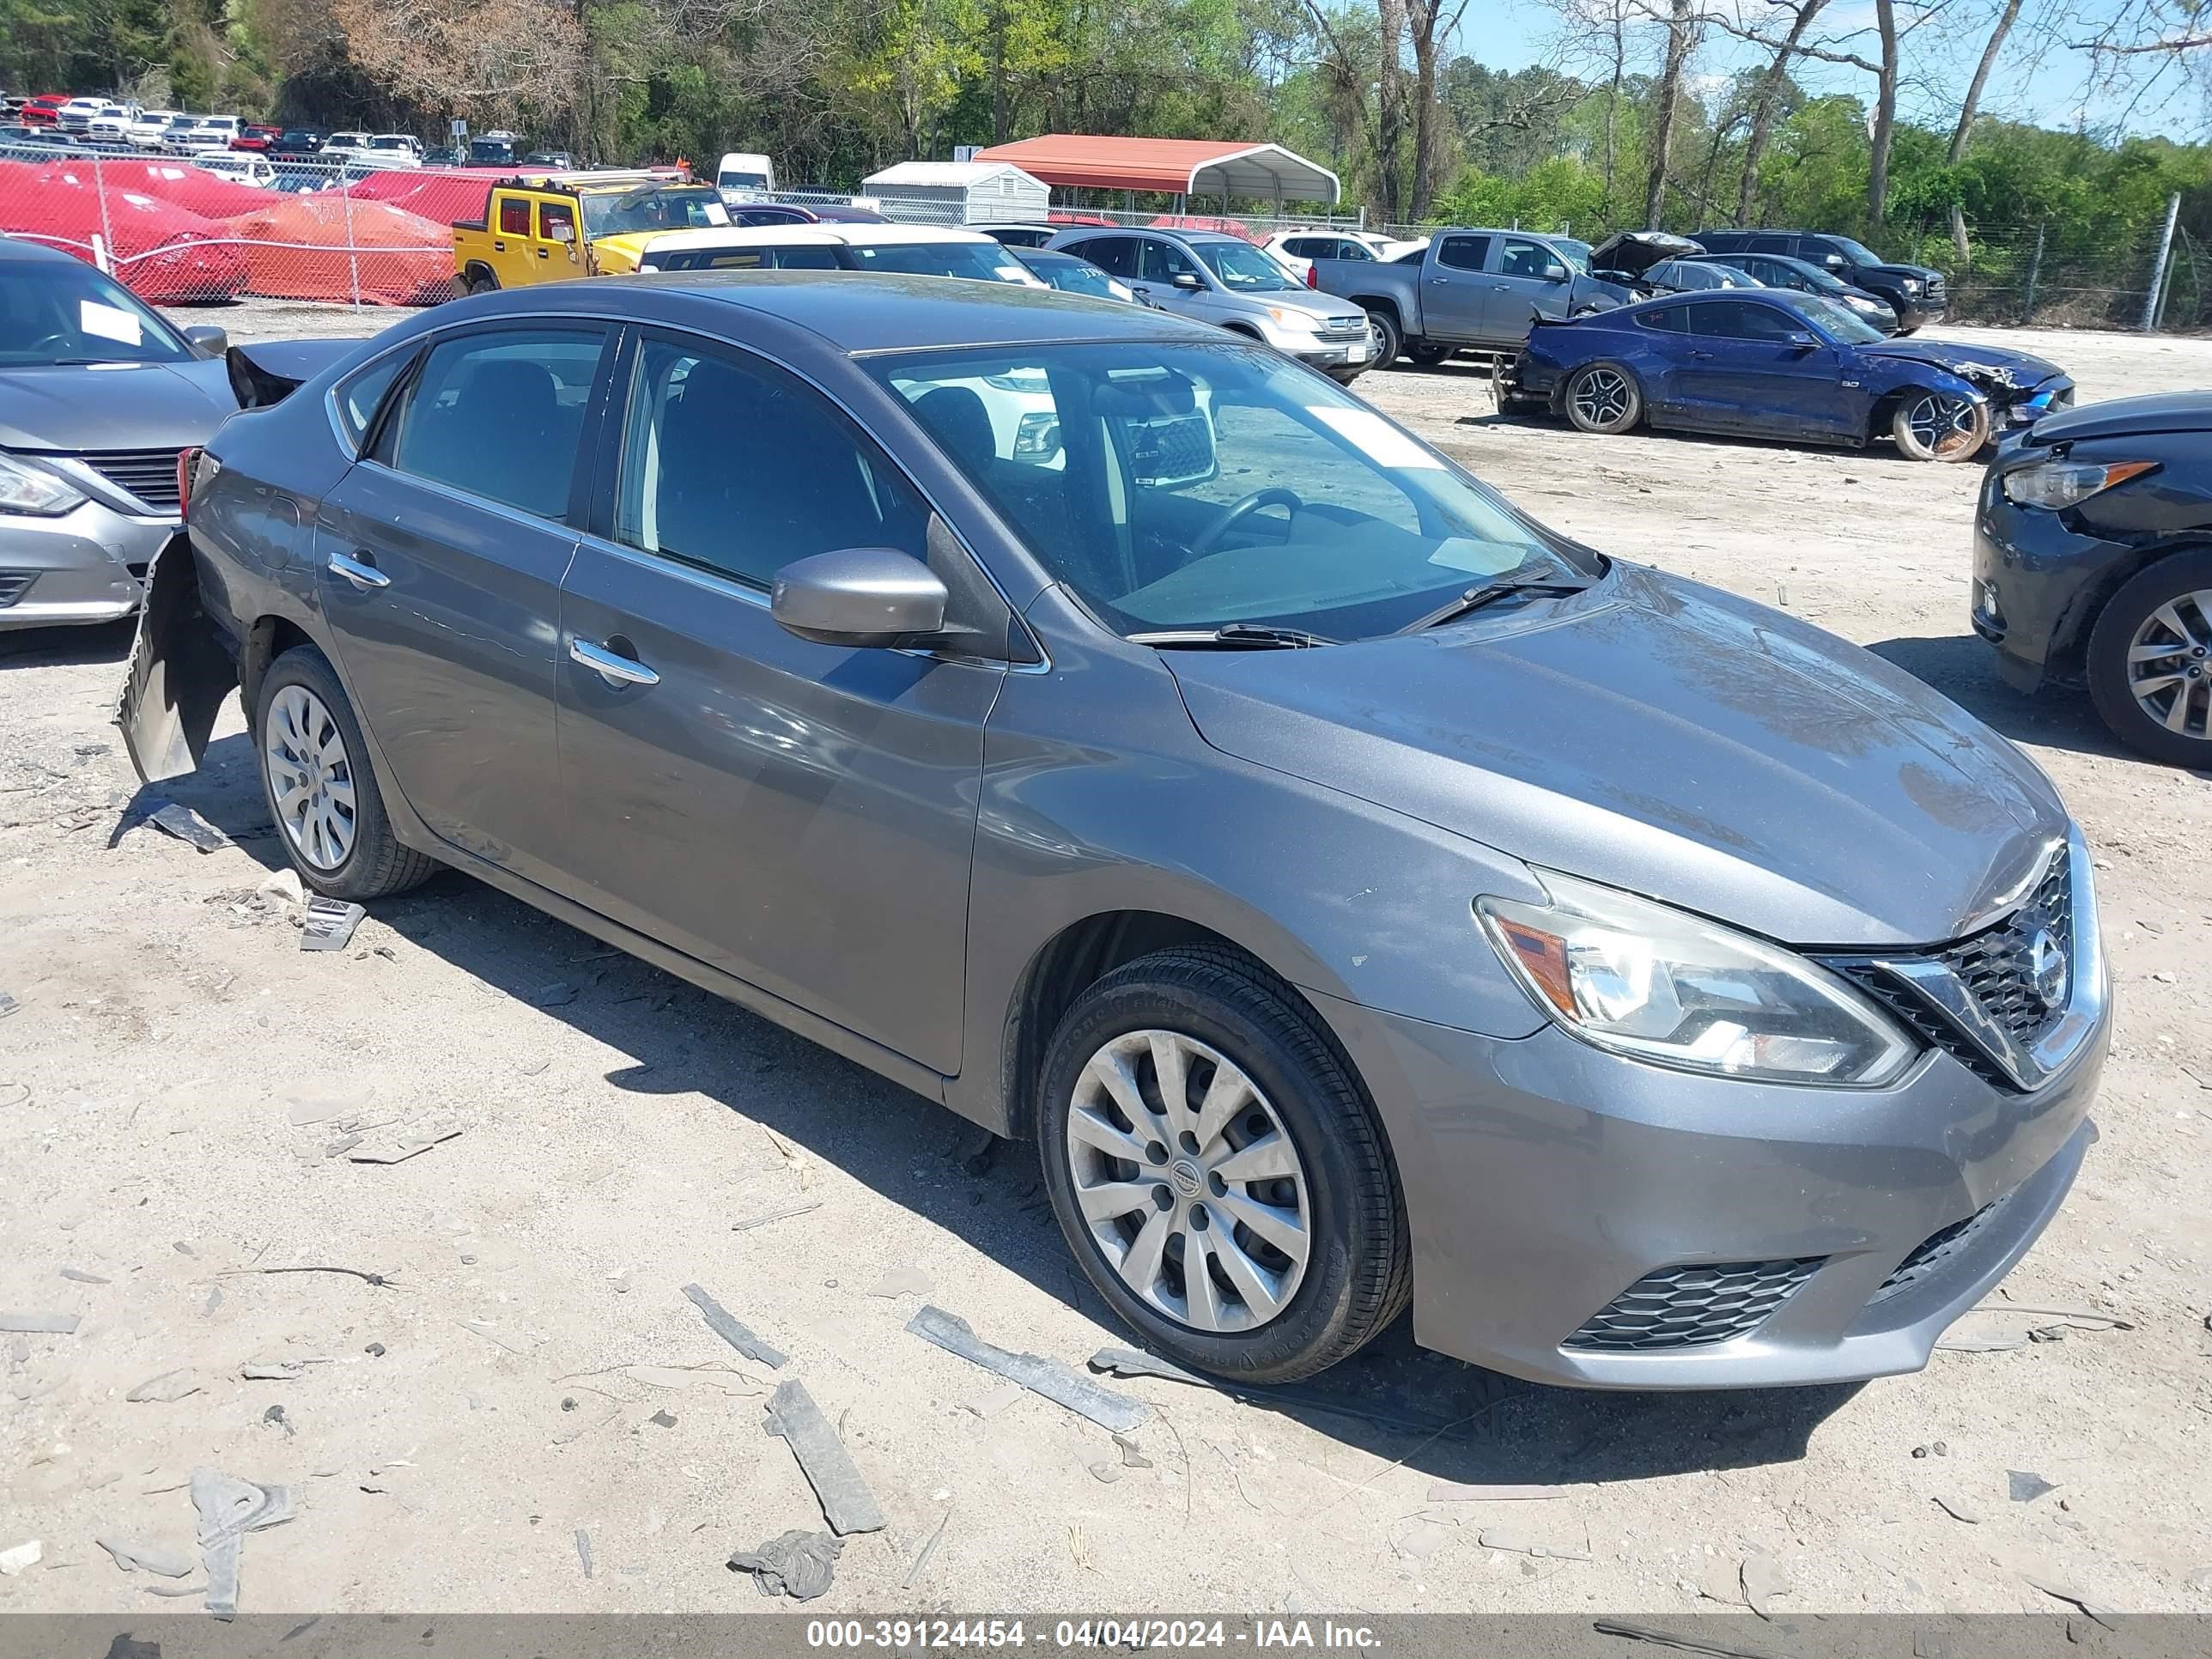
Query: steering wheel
x=58, y=340
x=1237, y=512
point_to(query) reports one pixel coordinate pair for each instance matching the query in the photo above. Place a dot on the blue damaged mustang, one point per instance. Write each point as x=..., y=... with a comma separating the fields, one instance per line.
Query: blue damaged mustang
x=1775, y=364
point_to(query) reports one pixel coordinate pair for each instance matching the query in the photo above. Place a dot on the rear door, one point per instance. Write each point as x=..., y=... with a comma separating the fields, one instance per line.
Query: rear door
x=800, y=815
x=443, y=553
x=1746, y=371
x=1456, y=290
x=508, y=222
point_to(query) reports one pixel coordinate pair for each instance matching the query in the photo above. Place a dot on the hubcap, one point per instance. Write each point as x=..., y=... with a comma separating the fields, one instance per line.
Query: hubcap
x=2167, y=664
x=1188, y=1181
x=1943, y=426
x=310, y=777
x=1600, y=397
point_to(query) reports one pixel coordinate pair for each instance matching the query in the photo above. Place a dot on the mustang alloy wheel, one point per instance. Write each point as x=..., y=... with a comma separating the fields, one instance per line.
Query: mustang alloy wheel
x=1933, y=426
x=1604, y=398
x=310, y=776
x=1190, y=1183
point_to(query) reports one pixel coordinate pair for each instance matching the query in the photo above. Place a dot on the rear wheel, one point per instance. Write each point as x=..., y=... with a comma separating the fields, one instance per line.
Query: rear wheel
x=2150, y=660
x=1604, y=397
x=1936, y=426
x=1217, y=1171
x=482, y=281
x=1428, y=354
x=1388, y=337
x=320, y=787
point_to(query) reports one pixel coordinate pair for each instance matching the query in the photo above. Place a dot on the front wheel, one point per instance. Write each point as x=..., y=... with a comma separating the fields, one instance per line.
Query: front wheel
x=1934, y=426
x=321, y=789
x=1217, y=1171
x=1604, y=398
x=2151, y=661
x=1388, y=337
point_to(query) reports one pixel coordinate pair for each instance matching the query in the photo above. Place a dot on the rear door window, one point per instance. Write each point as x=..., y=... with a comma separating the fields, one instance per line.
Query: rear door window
x=1115, y=255
x=515, y=216
x=1463, y=253
x=499, y=414
x=1769, y=245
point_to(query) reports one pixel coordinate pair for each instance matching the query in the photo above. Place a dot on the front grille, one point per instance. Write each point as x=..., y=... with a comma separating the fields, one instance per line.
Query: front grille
x=1933, y=1253
x=1694, y=1306
x=1168, y=452
x=12, y=584
x=1994, y=968
x=1346, y=328
x=148, y=475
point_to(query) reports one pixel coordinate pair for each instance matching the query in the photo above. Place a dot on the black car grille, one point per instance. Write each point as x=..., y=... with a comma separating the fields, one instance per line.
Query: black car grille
x=1995, y=969
x=1934, y=1253
x=1694, y=1306
x=1168, y=452
x=148, y=475
x=12, y=584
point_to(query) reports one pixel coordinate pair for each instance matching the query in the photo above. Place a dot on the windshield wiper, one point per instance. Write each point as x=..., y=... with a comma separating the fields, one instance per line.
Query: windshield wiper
x=1256, y=635
x=1489, y=592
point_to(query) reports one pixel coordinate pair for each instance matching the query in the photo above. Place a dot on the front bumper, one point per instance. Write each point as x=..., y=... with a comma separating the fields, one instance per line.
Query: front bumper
x=87, y=565
x=1337, y=357
x=2034, y=589
x=1545, y=1177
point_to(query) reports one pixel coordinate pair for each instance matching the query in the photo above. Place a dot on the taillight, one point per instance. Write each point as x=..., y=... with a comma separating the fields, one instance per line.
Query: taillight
x=1313, y=276
x=186, y=460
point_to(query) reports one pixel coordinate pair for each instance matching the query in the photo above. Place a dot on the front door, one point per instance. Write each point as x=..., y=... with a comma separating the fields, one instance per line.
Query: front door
x=1159, y=265
x=800, y=815
x=1754, y=367
x=441, y=557
x=1522, y=287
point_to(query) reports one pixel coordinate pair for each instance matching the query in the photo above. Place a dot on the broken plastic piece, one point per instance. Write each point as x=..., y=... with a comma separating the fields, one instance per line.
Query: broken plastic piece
x=903, y=1280
x=13, y=1561
x=794, y=1563
x=55, y=1324
x=166, y=1388
x=1115, y=1413
x=1132, y=1362
x=921, y=1559
x=401, y=1151
x=189, y=827
x=132, y=1556
x=847, y=1503
x=2026, y=1486
x=780, y=1212
x=720, y=1321
x=1500, y=1537
x=1764, y=1579
x=584, y=1550
x=2064, y=1592
x=329, y=924
x=230, y=1509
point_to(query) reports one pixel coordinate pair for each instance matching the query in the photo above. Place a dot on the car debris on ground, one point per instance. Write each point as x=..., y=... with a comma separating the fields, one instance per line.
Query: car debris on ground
x=329, y=924
x=229, y=1508
x=189, y=827
x=1057, y=1383
x=847, y=1504
x=796, y=1563
x=720, y=1320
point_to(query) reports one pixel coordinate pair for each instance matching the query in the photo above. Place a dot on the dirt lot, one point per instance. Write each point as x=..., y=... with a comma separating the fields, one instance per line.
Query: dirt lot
x=450, y=1433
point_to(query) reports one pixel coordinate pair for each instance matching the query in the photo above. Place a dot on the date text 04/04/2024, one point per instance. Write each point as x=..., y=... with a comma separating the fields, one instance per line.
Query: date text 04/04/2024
x=1169, y=1635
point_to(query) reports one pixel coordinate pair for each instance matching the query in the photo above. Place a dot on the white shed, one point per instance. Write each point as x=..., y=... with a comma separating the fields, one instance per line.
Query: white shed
x=958, y=193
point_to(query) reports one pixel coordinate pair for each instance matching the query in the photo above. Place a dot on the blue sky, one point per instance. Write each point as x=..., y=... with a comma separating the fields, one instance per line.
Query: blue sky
x=2046, y=86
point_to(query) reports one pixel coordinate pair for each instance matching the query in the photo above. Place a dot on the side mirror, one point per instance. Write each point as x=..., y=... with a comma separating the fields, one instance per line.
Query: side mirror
x=858, y=596
x=210, y=337
x=1801, y=340
x=1555, y=272
x=1188, y=280
x=562, y=231
x=1834, y=262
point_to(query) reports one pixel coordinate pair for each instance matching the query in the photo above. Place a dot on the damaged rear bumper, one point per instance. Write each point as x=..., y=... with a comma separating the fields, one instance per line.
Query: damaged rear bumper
x=182, y=666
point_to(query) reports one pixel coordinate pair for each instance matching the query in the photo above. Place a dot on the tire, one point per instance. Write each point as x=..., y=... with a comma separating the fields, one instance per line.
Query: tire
x=482, y=281
x=1227, y=1020
x=2169, y=603
x=1604, y=397
x=1390, y=338
x=1928, y=426
x=1427, y=355
x=300, y=710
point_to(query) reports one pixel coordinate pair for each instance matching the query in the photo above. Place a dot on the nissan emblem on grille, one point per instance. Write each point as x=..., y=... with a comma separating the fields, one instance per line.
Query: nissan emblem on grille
x=2046, y=963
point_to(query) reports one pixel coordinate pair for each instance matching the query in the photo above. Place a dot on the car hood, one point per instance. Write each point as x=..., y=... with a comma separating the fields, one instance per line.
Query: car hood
x=1637, y=251
x=2124, y=417
x=1665, y=737
x=135, y=406
x=1982, y=364
x=1926, y=274
x=1304, y=299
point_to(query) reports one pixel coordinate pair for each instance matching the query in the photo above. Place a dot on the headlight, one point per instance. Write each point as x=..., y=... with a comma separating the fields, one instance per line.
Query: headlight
x=1287, y=317
x=34, y=490
x=1910, y=285
x=2055, y=485
x=1659, y=985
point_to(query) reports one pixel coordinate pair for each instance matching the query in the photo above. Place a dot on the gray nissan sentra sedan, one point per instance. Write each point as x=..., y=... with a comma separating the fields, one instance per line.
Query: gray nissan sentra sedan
x=1360, y=894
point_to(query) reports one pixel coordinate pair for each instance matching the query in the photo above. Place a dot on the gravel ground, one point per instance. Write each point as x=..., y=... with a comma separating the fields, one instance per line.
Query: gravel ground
x=177, y=1070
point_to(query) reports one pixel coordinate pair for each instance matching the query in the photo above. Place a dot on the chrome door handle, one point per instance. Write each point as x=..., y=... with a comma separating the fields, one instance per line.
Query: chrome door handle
x=611, y=666
x=366, y=577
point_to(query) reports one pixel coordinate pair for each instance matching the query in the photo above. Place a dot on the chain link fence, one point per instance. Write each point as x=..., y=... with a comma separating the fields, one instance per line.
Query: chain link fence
x=201, y=230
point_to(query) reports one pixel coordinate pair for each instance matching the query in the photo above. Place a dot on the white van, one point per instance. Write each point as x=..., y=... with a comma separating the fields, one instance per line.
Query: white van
x=749, y=174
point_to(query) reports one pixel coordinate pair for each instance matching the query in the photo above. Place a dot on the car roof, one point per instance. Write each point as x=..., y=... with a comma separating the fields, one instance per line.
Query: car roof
x=856, y=312
x=12, y=248
x=839, y=234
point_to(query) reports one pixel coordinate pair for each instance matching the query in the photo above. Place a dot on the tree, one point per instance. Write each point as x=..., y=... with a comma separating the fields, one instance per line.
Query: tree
x=1768, y=103
x=1885, y=113
x=1970, y=105
x=1681, y=36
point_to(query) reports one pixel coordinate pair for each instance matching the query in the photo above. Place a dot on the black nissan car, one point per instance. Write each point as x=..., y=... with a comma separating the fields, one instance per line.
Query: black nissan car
x=1915, y=293
x=2093, y=565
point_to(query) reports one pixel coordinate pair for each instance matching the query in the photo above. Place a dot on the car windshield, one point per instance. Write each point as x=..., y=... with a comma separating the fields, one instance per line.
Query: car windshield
x=1836, y=321
x=1858, y=253
x=1187, y=485
x=984, y=260
x=1576, y=253
x=55, y=314
x=652, y=207
x=1243, y=268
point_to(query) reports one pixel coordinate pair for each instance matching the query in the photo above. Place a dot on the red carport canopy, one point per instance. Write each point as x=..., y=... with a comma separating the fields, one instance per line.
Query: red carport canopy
x=1177, y=166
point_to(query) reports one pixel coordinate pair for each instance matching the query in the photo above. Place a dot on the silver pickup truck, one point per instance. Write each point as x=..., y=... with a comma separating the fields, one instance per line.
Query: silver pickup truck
x=1467, y=288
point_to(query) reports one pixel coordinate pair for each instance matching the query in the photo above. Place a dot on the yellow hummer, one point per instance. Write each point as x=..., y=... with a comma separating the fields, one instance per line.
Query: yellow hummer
x=544, y=226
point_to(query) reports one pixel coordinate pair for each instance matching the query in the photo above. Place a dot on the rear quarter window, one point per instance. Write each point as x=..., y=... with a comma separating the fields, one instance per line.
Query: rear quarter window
x=1665, y=319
